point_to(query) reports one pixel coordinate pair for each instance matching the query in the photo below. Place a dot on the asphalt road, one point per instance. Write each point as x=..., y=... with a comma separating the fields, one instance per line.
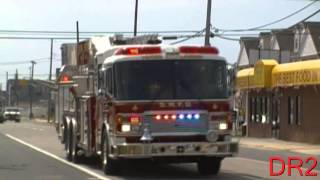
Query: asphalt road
x=32, y=151
x=19, y=162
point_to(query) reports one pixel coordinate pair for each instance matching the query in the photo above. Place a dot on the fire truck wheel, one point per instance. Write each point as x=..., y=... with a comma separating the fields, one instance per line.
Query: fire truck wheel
x=209, y=166
x=74, y=150
x=69, y=144
x=109, y=166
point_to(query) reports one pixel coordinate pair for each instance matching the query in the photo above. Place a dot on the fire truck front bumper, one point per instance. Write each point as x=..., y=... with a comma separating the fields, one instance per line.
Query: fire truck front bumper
x=195, y=149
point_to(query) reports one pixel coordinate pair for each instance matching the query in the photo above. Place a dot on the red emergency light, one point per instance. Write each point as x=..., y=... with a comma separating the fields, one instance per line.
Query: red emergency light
x=135, y=51
x=65, y=79
x=198, y=50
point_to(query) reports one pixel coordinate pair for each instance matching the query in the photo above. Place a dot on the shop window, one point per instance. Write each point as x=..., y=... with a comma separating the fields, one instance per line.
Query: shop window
x=268, y=110
x=294, y=110
x=255, y=104
x=252, y=109
x=258, y=112
x=290, y=110
x=298, y=110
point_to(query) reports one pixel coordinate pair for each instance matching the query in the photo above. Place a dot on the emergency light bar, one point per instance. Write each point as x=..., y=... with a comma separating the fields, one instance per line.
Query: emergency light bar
x=135, y=51
x=198, y=50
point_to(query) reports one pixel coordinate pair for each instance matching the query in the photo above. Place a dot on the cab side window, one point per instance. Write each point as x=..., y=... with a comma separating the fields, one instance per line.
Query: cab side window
x=109, y=84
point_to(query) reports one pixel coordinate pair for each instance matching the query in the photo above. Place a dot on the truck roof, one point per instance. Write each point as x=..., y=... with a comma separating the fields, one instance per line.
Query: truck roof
x=166, y=52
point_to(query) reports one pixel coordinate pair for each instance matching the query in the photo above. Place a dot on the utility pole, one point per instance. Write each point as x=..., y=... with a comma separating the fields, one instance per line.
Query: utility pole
x=50, y=77
x=16, y=85
x=7, y=86
x=31, y=88
x=135, y=19
x=208, y=24
x=51, y=54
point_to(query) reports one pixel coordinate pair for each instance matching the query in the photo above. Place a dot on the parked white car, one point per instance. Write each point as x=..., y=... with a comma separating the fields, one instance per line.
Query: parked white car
x=12, y=113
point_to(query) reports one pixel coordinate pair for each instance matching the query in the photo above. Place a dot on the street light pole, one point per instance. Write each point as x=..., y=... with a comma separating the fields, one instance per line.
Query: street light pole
x=208, y=24
x=31, y=89
x=135, y=19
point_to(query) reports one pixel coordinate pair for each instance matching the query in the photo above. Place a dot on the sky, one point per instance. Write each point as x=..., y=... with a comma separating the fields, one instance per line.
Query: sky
x=117, y=15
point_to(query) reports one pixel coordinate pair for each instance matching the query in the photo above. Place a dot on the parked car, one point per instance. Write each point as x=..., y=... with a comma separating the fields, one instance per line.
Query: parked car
x=12, y=113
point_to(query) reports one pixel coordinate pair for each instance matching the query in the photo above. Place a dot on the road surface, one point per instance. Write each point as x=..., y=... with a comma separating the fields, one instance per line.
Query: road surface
x=31, y=150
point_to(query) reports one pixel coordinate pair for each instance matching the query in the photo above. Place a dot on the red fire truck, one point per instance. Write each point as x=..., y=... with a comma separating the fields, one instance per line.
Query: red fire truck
x=133, y=98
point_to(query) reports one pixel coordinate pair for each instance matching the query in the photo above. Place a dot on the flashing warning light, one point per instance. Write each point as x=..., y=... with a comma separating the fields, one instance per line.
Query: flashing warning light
x=177, y=116
x=64, y=78
x=181, y=116
x=198, y=50
x=134, y=120
x=196, y=116
x=158, y=117
x=135, y=51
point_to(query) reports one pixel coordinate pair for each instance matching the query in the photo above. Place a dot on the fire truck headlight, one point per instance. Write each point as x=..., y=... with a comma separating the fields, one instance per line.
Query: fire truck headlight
x=212, y=136
x=125, y=128
x=223, y=126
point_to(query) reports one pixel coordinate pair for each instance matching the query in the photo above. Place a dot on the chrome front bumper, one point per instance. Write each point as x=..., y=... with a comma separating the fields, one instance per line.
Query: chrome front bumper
x=150, y=150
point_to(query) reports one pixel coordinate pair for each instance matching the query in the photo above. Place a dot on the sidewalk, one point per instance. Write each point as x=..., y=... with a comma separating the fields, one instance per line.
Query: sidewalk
x=276, y=144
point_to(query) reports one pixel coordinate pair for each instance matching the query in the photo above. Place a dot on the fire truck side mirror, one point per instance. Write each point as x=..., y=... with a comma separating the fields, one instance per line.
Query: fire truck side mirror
x=102, y=92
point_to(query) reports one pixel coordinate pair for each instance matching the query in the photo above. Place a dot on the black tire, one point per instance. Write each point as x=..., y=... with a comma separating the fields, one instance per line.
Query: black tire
x=17, y=121
x=109, y=166
x=69, y=144
x=209, y=166
x=74, y=149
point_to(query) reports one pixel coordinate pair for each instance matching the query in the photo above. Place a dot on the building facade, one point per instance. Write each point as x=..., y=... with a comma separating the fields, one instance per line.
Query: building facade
x=282, y=100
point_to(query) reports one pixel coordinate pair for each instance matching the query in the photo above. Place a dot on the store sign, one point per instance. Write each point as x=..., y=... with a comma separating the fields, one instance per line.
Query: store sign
x=303, y=77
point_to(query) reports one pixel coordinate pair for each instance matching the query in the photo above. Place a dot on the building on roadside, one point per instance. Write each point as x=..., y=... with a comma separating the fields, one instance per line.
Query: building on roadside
x=306, y=41
x=271, y=109
x=282, y=99
x=246, y=45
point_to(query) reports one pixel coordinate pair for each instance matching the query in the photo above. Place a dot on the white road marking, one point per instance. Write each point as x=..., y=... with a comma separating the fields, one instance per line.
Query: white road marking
x=85, y=170
x=267, y=163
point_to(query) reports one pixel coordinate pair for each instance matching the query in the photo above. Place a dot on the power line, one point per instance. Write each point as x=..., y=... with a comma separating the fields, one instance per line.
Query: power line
x=39, y=60
x=227, y=38
x=271, y=23
x=95, y=32
x=40, y=38
x=313, y=14
x=197, y=34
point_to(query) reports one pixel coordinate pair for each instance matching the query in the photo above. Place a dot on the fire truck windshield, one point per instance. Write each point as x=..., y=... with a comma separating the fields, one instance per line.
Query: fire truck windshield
x=171, y=79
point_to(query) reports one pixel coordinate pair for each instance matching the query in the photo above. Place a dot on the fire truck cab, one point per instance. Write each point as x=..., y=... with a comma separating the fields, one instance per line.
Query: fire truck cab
x=147, y=101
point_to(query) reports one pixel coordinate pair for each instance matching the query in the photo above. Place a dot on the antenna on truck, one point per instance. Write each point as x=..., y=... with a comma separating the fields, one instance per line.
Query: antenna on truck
x=77, y=49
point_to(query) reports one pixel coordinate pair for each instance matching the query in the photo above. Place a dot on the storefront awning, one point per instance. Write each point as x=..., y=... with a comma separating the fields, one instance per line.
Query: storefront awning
x=257, y=77
x=244, y=78
x=297, y=73
x=262, y=73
